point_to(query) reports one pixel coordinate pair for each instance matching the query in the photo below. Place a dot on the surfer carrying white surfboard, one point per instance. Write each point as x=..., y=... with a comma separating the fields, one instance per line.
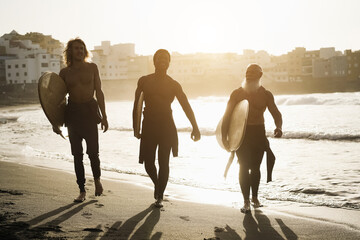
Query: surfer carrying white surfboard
x=158, y=127
x=255, y=143
x=82, y=112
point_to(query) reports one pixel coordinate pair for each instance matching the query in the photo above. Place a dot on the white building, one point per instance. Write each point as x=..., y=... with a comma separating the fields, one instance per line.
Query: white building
x=30, y=61
x=113, y=61
x=30, y=68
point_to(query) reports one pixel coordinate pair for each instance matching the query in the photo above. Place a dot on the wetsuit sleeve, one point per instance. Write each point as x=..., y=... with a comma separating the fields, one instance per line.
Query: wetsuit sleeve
x=138, y=91
x=235, y=97
x=274, y=110
x=182, y=98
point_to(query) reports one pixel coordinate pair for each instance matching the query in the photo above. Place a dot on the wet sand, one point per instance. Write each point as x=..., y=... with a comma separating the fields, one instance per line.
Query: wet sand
x=36, y=203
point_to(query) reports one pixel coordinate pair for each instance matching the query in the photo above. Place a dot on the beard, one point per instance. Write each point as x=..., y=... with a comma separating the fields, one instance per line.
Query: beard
x=251, y=87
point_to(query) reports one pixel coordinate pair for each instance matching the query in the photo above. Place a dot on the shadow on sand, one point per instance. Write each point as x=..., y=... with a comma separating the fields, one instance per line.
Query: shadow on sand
x=255, y=228
x=10, y=229
x=124, y=230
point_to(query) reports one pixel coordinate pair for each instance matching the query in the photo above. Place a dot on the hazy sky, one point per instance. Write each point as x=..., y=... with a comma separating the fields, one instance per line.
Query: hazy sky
x=189, y=26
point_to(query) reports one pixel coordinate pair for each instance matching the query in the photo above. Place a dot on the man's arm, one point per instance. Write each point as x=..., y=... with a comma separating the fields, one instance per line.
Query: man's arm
x=136, y=101
x=180, y=95
x=100, y=98
x=275, y=114
x=234, y=99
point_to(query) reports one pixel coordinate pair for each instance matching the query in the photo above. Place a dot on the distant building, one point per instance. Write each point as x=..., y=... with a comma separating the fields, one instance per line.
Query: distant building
x=113, y=61
x=279, y=70
x=3, y=58
x=326, y=53
x=23, y=61
x=30, y=68
x=353, y=60
x=308, y=64
x=334, y=67
x=294, y=60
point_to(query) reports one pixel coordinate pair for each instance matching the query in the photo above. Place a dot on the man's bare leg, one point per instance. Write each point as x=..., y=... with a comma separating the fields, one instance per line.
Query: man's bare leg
x=98, y=187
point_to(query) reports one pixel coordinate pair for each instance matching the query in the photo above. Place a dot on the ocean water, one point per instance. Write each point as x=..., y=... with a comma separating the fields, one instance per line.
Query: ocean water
x=318, y=158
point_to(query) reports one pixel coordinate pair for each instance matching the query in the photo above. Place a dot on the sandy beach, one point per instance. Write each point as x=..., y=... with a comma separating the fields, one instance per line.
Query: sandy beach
x=36, y=203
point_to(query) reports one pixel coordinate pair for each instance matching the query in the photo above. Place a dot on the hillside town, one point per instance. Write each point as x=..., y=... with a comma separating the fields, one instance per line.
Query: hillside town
x=24, y=58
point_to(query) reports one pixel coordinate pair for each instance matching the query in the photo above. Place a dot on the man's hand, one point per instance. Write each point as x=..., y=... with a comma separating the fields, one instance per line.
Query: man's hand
x=195, y=135
x=104, y=124
x=278, y=133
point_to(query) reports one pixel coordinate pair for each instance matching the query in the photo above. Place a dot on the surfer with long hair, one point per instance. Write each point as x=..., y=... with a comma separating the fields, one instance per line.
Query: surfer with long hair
x=255, y=143
x=82, y=112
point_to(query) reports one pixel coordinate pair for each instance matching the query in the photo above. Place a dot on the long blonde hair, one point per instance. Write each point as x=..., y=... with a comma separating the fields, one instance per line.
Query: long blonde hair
x=68, y=51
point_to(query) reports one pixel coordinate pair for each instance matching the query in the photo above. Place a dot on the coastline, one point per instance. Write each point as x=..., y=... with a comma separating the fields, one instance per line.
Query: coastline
x=37, y=203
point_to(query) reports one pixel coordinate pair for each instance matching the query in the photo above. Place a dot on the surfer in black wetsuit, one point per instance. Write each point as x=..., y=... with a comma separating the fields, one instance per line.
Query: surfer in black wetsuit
x=255, y=143
x=82, y=112
x=158, y=127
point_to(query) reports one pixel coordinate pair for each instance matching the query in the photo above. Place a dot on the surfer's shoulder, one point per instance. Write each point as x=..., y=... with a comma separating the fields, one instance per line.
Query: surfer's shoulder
x=176, y=85
x=269, y=95
x=92, y=65
x=145, y=78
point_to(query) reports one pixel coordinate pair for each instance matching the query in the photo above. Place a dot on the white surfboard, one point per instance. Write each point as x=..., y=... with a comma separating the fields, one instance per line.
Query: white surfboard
x=237, y=126
x=52, y=92
x=139, y=109
x=236, y=131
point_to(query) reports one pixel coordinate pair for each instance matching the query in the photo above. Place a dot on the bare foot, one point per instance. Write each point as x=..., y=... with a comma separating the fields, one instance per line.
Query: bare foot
x=159, y=203
x=256, y=202
x=246, y=207
x=81, y=197
x=98, y=187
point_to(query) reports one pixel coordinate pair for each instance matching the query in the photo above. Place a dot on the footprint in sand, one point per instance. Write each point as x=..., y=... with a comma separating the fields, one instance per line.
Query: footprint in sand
x=11, y=192
x=185, y=218
x=86, y=215
x=92, y=230
x=99, y=205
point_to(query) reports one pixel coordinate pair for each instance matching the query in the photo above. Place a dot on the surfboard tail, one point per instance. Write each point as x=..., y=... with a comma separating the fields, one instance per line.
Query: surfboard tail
x=231, y=159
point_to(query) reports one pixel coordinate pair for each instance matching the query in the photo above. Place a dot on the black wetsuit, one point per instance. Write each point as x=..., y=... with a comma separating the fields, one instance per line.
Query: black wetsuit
x=255, y=143
x=158, y=127
x=81, y=120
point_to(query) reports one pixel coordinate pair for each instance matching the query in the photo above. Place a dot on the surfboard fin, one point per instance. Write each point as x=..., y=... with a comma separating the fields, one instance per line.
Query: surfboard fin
x=62, y=135
x=231, y=159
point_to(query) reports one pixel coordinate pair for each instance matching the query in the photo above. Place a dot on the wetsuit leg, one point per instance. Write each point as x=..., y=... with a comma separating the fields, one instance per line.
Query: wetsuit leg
x=243, y=155
x=77, y=151
x=255, y=172
x=92, y=149
x=150, y=162
x=163, y=157
x=244, y=180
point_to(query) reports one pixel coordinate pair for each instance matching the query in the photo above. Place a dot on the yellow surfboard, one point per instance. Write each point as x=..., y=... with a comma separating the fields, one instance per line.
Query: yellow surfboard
x=52, y=92
x=139, y=109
